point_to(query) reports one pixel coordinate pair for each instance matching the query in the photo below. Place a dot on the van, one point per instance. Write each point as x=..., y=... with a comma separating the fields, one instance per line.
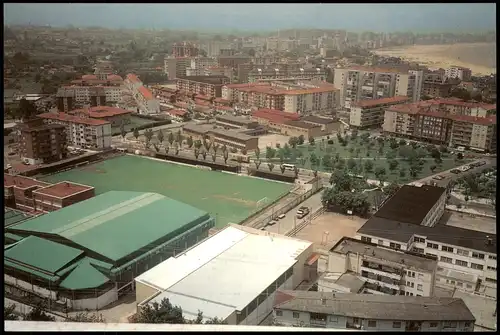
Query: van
x=289, y=167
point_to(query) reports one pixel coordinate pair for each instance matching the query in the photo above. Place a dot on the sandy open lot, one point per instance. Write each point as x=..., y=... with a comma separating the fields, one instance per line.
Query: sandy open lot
x=479, y=57
x=336, y=225
x=270, y=140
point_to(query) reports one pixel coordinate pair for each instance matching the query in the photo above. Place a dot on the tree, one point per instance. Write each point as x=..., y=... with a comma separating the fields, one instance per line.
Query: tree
x=270, y=153
x=86, y=317
x=293, y=141
x=327, y=161
x=443, y=149
x=365, y=137
x=157, y=148
x=170, y=138
x=27, y=109
x=136, y=133
x=380, y=173
x=257, y=153
x=460, y=156
x=393, y=164
x=163, y=312
x=148, y=134
x=190, y=141
x=313, y=159
x=402, y=142
x=390, y=155
x=391, y=189
x=287, y=152
x=225, y=154
x=257, y=163
x=38, y=314
x=354, y=134
x=369, y=165
x=402, y=173
x=270, y=166
x=432, y=168
x=215, y=148
x=340, y=165
x=167, y=148
x=301, y=139
x=311, y=140
x=282, y=168
x=160, y=136
x=393, y=144
x=204, y=152
x=9, y=313
x=351, y=164
x=224, y=148
x=281, y=156
x=123, y=132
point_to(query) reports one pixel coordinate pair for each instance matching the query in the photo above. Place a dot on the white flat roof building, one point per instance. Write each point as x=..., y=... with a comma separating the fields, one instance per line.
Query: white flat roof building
x=233, y=275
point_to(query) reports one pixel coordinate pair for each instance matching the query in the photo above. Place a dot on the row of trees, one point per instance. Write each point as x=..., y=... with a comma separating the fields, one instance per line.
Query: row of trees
x=38, y=313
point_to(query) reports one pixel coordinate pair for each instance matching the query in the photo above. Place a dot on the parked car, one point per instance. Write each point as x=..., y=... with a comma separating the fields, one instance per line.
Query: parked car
x=455, y=171
x=282, y=216
x=481, y=163
x=302, y=212
x=438, y=177
x=271, y=223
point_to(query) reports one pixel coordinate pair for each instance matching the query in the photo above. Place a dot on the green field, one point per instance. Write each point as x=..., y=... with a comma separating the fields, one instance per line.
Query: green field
x=360, y=152
x=227, y=197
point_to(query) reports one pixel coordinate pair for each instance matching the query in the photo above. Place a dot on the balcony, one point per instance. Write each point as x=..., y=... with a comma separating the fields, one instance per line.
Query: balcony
x=382, y=270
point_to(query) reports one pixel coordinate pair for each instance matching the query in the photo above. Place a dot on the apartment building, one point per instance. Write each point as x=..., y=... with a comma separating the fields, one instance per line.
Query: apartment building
x=383, y=270
x=132, y=82
x=442, y=122
x=360, y=83
x=176, y=67
x=84, y=132
x=370, y=113
x=217, y=48
x=148, y=104
x=275, y=74
x=371, y=312
x=292, y=97
x=233, y=61
x=411, y=221
x=65, y=99
x=459, y=72
x=29, y=194
x=42, y=143
x=98, y=80
x=184, y=49
x=69, y=97
x=437, y=85
x=210, y=86
x=114, y=115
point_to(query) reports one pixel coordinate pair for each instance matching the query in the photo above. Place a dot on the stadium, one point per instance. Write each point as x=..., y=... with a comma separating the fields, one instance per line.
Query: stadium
x=87, y=255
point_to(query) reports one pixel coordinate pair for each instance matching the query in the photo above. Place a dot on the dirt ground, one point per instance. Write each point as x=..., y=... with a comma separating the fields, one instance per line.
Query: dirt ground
x=270, y=140
x=336, y=225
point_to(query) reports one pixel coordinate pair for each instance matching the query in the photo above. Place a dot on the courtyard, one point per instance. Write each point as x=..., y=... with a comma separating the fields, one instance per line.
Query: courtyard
x=227, y=197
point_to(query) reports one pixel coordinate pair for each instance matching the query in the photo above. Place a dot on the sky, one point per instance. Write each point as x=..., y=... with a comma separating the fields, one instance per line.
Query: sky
x=440, y=17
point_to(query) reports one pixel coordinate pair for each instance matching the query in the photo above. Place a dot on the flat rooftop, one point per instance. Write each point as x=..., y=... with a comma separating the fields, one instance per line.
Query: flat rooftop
x=63, y=189
x=219, y=262
x=301, y=124
x=349, y=245
x=351, y=281
x=375, y=307
x=21, y=181
x=318, y=119
x=235, y=119
x=411, y=203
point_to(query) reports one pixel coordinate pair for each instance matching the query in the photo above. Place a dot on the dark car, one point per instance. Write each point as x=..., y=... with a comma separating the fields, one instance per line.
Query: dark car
x=455, y=171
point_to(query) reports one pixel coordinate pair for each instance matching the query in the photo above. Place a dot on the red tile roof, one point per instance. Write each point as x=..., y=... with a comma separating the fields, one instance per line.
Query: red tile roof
x=245, y=85
x=63, y=189
x=383, y=101
x=89, y=77
x=72, y=119
x=146, y=93
x=115, y=77
x=177, y=112
x=275, y=116
x=133, y=78
x=21, y=181
x=101, y=111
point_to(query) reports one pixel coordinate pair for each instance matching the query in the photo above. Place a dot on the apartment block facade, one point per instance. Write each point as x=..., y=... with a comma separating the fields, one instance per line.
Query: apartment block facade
x=42, y=143
x=148, y=104
x=184, y=49
x=462, y=73
x=446, y=122
x=176, y=67
x=362, y=83
x=83, y=132
x=277, y=74
x=210, y=86
x=370, y=113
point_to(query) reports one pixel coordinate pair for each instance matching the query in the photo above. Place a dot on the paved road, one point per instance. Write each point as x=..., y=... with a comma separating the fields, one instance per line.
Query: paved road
x=289, y=222
x=490, y=162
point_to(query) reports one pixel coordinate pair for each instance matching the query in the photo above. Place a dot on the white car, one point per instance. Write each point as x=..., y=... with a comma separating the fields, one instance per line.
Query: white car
x=281, y=216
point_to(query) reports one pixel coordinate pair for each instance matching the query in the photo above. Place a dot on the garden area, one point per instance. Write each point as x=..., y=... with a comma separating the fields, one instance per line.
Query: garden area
x=378, y=158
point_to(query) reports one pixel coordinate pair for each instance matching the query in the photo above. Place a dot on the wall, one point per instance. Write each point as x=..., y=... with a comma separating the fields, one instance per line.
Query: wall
x=95, y=303
x=143, y=292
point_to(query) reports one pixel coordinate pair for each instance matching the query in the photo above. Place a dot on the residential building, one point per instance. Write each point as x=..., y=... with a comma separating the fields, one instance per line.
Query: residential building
x=459, y=72
x=233, y=61
x=237, y=138
x=84, y=132
x=215, y=48
x=235, y=122
x=204, y=85
x=98, y=80
x=65, y=99
x=383, y=270
x=184, y=49
x=176, y=67
x=360, y=83
x=42, y=143
x=446, y=121
x=294, y=97
x=148, y=104
x=132, y=82
x=31, y=195
x=69, y=97
x=97, y=247
x=116, y=116
x=300, y=128
x=371, y=312
x=288, y=124
x=235, y=251
x=411, y=221
x=437, y=85
x=276, y=74
x=370, y=113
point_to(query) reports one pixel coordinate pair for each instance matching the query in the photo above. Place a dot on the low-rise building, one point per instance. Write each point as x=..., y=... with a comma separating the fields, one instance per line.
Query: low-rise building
x=282, y=263
x=371, y=312
x=84, y=132
x=31, y=195
x=383, y=270
x=116, y=116
x=327, y=125
x=235, y=122
x=204, y=85
x=300, y=128
x=370, y=113
x=231, y=138
x=179, y=115
x=42, y=143
x=411, y=221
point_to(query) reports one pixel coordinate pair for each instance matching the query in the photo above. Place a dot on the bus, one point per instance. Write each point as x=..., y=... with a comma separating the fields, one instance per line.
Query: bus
x=289, y=167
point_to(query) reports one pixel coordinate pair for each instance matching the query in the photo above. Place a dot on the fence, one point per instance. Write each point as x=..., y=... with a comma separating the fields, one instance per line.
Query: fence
x=32, y=299
x=316, y=187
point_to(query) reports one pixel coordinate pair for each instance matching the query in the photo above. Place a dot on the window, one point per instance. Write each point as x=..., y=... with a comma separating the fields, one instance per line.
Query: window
x=459, y=284
x=462, y=252
x=467, y=324
x=279, y=313
x=419, y=239
x=433, y=324
x=450, y=324
x=469, y=286
x=366, y=239
x=334, y=319
x=380, y=242
x=477, y=255
x=418, y=250
x=447, y=249
x=446, y=259
x=432, y=245
x=296, y=315
x=491, y=268
x=420, y=287
x=396, y=324
x=492, y=257
x=429, y=254
x=372, y=323
x=461, y=263
x=410, y=284
x=395, y=245
x=476, y=266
